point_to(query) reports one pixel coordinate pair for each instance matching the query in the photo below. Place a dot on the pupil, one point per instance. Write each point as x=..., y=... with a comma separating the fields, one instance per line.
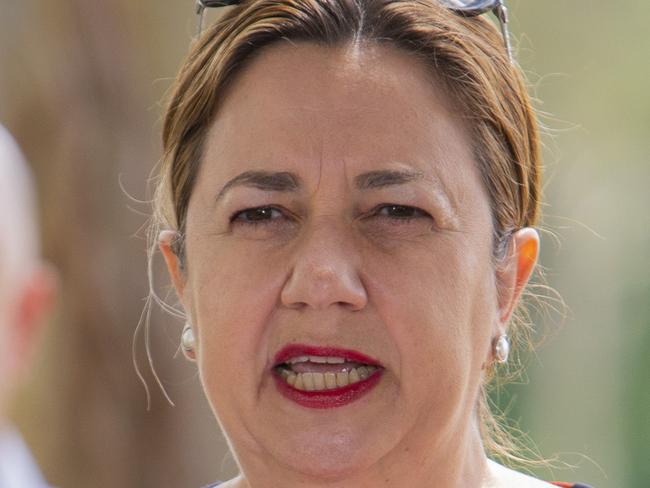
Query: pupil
x=399, y=211
x=259, y=214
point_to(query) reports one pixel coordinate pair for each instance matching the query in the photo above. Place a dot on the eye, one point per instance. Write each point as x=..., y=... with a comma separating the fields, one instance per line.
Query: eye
x=399, y=213
x=256, y=216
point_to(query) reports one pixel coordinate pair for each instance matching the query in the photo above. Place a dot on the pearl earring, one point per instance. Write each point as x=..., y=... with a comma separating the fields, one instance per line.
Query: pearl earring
x=188, y=341
x=502, y=349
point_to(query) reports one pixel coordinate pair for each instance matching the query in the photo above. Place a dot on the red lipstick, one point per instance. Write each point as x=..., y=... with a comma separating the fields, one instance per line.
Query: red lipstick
x=326, y=398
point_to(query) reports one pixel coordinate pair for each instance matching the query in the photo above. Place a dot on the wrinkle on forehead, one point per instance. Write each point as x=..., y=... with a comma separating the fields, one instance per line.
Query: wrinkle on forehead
x=334, y=112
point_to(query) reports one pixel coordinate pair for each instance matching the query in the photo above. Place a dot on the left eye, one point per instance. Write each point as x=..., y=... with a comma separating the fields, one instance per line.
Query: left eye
x=256, y=215
x=399, y=212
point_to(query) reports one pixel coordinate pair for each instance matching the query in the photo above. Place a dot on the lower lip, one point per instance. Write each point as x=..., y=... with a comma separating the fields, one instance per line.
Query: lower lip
x=338, y=397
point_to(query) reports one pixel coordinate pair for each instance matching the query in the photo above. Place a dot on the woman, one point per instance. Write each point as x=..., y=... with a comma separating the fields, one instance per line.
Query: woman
x=347, y=201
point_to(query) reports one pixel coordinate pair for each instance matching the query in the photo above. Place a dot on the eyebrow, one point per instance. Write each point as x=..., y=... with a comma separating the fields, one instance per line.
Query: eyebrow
x=284, y=181
x=380, y=179
x=263, y=180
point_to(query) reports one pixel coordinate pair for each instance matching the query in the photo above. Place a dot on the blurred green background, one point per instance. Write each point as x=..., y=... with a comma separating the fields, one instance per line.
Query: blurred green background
x=80, y=87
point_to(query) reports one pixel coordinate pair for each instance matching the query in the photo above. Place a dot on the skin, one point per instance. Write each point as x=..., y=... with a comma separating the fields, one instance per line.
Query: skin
x=27, y=284
x=331, y=266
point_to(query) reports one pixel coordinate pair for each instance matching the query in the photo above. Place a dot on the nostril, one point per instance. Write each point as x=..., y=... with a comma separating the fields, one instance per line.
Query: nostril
x=322, y=294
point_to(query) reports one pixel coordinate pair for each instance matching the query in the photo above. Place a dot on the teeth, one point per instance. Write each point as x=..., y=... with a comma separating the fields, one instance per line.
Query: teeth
x=326, y=381
x=353, y=376
x=317, y=359
x=298, y=359
x=363, y=372
x=342, y=379
x=335, y=360
x=319, y=381
x=330, y=380
x=308, y=380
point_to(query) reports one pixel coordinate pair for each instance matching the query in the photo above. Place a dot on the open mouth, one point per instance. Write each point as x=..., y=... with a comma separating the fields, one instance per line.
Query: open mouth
x=324, y=377
x=318, y=373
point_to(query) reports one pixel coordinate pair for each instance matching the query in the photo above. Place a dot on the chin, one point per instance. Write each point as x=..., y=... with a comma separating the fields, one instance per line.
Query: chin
x=333, y=454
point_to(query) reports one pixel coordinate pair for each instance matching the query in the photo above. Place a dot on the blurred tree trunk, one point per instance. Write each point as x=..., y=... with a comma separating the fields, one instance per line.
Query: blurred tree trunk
x=76, y=93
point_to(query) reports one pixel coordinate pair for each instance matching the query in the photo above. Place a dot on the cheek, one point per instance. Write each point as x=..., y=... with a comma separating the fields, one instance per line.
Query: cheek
x=437, y=302
x=232, y=298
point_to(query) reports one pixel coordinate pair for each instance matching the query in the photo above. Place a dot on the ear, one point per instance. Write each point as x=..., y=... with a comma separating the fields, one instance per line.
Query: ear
x=35, y=301
x=165, y=242
x=515, y=272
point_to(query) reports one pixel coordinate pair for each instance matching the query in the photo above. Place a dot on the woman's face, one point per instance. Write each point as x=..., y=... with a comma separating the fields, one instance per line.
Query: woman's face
x=359, y=232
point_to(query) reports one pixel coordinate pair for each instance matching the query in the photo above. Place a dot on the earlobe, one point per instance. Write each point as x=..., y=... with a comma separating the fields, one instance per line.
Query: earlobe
x=517, y=270
x=165, y=242
x=36, y=301
x=42, y=291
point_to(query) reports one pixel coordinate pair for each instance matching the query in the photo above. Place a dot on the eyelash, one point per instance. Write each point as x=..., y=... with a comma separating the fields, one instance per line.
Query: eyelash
x=419, y=213
x=235, y=218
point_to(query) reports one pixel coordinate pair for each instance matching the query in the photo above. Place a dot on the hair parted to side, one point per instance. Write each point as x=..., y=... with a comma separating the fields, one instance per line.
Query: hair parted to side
x=466, y=54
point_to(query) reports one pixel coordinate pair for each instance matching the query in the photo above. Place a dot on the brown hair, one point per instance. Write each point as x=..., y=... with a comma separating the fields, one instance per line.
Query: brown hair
x=466, y=54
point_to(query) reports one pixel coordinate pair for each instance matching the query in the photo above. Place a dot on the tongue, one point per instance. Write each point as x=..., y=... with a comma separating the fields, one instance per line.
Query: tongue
x=309, y=367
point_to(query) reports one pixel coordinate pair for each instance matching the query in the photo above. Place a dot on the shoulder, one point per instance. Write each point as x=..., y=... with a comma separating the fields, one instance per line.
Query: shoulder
x=502, y=477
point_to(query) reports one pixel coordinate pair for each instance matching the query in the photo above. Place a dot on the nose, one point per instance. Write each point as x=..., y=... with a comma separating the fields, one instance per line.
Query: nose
x=325, y=272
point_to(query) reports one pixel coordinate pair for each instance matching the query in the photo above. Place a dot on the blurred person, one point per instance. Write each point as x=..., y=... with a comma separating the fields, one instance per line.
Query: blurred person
x=27, y=289
x=347, y=209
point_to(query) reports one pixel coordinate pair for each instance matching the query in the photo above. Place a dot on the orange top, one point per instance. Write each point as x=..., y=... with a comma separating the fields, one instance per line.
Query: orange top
x=570, y=485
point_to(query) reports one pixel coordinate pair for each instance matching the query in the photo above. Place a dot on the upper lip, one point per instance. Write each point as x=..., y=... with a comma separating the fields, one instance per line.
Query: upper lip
x=294, y=350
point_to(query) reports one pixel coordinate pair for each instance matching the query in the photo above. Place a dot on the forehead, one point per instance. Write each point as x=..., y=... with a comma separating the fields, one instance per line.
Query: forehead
x=302, y=105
